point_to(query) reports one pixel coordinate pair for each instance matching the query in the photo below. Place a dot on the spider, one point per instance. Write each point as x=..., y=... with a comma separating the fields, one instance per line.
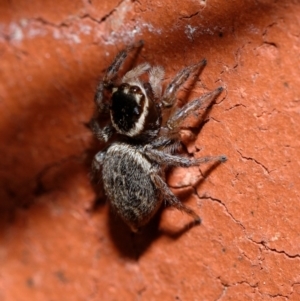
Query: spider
x=140, y=145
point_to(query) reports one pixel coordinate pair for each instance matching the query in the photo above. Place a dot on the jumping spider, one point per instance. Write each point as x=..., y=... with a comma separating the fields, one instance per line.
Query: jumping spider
x=141, y=145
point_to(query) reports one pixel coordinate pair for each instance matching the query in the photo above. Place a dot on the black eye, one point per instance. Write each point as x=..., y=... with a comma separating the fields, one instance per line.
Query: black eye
x=135, y=89
x=123, y=87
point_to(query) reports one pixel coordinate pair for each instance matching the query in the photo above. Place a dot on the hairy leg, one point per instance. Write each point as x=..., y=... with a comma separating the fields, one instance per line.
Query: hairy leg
x=171, y=199
x=166, y=159
x=181, y=77
x=101, y=133
x=111, y=74
x=175, y=121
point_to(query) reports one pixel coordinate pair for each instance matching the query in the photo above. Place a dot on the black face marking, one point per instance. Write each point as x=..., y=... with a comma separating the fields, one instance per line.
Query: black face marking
x=125, y=109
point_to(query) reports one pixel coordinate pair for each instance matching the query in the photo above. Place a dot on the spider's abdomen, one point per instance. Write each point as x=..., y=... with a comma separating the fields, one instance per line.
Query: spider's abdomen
x=128, y=184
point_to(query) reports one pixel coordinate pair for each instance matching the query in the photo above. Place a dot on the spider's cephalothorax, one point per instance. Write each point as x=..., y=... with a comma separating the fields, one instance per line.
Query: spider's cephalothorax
x=133, y=164
x=133, y=111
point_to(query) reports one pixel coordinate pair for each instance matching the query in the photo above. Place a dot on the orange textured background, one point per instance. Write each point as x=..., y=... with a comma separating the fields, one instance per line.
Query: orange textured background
x=55, y=244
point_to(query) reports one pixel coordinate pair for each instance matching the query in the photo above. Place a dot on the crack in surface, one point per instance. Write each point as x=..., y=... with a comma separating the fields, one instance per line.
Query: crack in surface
x=226, y=286
x=226, y=209
x=34, y=27
x=277, y=295
x=254, y=286
x=189, y=16
x=254, y=160
x=265, y=32
x=266, y=247
x=235, y=106
x=106, y=16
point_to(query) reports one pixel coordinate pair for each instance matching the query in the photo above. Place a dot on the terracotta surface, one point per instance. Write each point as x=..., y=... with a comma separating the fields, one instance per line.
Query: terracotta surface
x=58, y=243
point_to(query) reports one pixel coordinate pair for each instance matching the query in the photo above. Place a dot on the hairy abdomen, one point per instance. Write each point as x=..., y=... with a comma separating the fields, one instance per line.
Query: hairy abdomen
x=128, y=184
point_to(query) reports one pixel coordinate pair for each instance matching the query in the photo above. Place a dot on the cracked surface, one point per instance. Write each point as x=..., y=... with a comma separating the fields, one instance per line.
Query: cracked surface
x=53, y=240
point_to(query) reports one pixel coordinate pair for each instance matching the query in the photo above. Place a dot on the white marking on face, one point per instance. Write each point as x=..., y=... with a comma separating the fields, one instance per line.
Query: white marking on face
x=138, y=98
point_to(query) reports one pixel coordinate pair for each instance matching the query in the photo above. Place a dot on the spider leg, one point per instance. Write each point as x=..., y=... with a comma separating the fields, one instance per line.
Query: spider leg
x=180, y=78
x=110, y=75
x=113, y=69
x=170, y=198
x=173, y=124
x=172, y=160
x=102, y=133
x=168, y=139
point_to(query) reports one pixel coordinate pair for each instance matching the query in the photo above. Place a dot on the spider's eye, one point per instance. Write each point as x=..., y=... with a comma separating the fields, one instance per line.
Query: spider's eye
x=123, y=87
x=135, y=90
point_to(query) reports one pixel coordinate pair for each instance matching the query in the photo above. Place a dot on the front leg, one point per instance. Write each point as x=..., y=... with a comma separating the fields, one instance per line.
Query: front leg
x=113, y=69
x=102, y=133
x=110, y=75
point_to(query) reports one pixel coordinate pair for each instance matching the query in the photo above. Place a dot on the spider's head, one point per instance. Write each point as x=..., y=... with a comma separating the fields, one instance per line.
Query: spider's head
x=130, y=109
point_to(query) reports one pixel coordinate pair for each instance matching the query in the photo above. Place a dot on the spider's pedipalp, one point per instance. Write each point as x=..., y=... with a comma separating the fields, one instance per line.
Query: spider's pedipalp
x=156, y=75
x=136, y=72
